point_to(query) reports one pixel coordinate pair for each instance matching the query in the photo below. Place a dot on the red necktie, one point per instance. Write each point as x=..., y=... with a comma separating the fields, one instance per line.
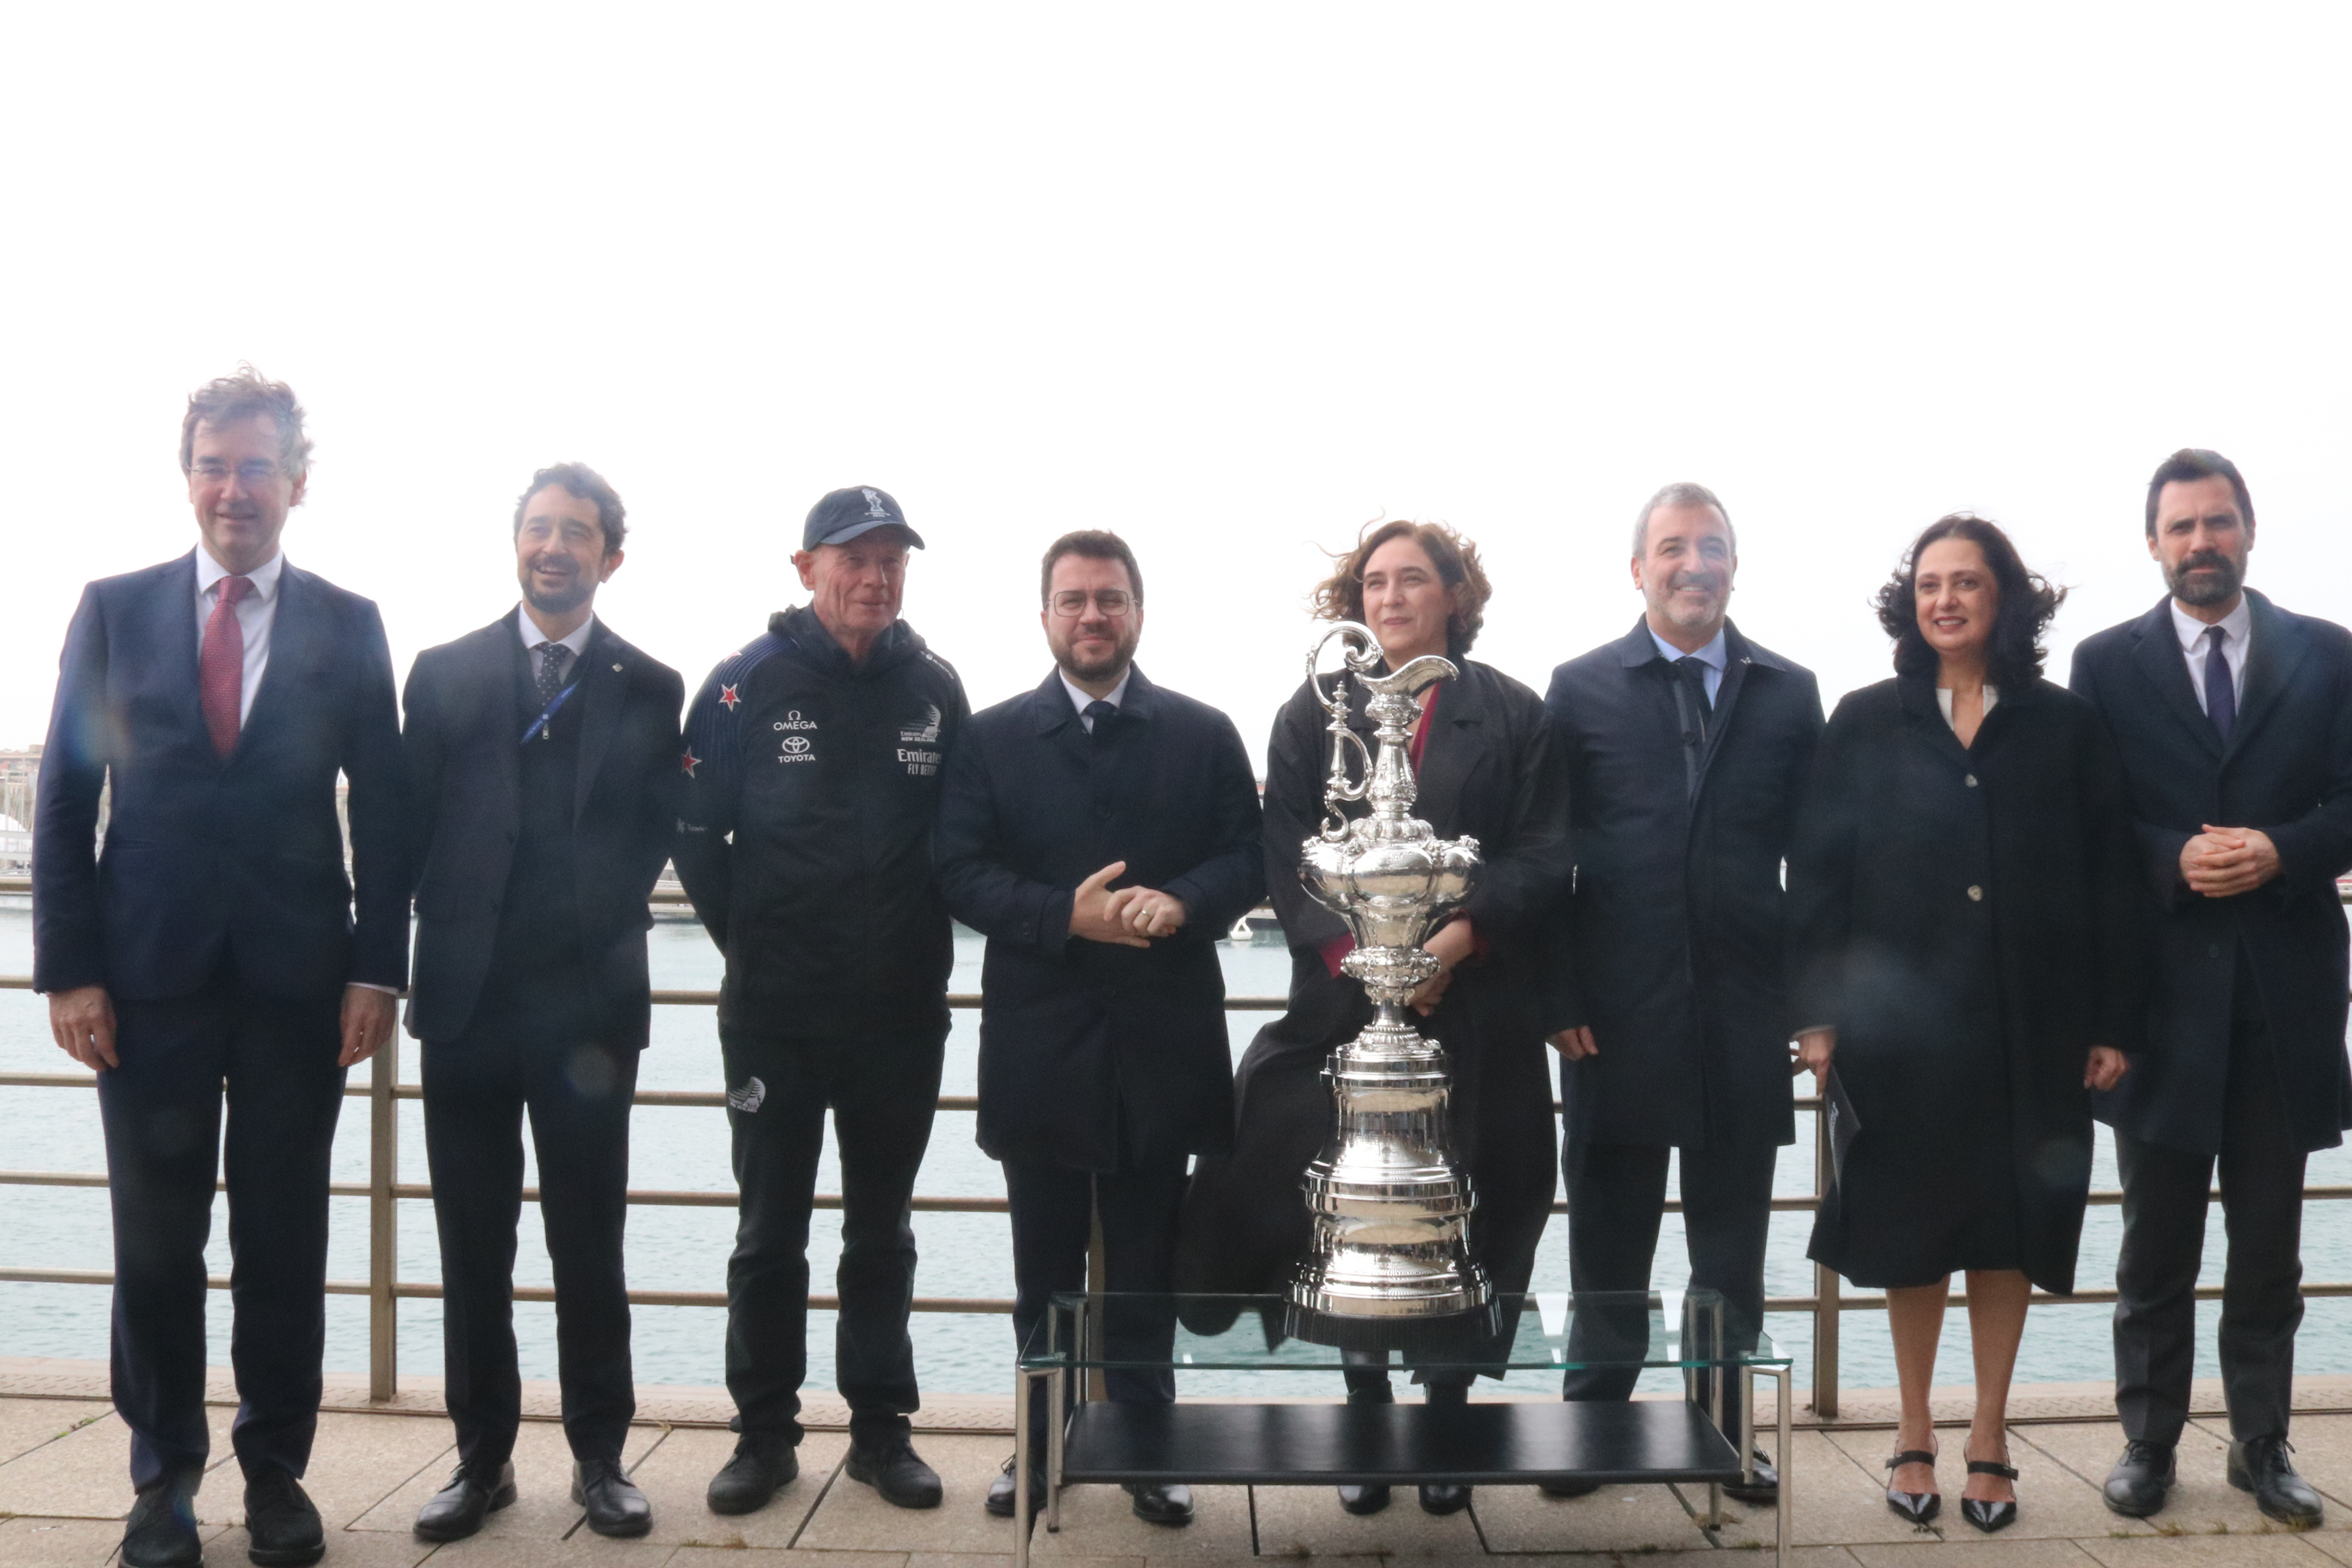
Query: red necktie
x=220, y=667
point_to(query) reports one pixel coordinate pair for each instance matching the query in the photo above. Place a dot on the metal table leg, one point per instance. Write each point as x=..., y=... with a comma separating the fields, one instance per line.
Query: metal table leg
x=1020, y=1395
x=1056, y=1387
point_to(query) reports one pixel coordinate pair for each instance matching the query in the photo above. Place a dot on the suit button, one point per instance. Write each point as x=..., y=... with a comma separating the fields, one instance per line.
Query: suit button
x=1972, y=781
x=1976, y=894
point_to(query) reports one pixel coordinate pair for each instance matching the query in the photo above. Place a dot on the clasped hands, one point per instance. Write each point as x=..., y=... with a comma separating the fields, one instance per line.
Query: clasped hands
x=2222, y=862
x=1814, y=1047
x=1130, y=917
x=82, y=1023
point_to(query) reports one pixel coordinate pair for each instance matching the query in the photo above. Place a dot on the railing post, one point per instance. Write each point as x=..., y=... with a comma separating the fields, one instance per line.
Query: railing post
x=384, y=1222
x=1825, y=1283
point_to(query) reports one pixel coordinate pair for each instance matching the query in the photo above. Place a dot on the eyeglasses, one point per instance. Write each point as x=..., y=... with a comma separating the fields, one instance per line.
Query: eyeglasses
x=253, y=472
x=1114, y=603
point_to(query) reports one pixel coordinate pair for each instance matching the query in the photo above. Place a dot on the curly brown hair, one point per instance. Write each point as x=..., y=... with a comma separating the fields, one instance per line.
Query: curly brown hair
x=1340, y=596
x=2028, y=601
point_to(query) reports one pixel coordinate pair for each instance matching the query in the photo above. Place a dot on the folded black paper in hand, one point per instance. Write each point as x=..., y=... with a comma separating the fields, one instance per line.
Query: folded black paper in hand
x=1838, y=1106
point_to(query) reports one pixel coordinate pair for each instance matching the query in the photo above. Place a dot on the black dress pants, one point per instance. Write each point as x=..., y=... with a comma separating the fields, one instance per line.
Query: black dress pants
x=578, y=1091
x=162, y=1112
x=1053, y=1212
x=2165, y=1195
x=1616, y=1197
x=882, y=1090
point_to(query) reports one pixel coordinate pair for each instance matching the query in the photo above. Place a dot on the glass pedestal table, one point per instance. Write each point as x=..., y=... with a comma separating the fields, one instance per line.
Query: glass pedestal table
x=1300, y=1436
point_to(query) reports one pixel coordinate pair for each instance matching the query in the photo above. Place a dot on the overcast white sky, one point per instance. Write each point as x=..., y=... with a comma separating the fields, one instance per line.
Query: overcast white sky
x=1230, y=280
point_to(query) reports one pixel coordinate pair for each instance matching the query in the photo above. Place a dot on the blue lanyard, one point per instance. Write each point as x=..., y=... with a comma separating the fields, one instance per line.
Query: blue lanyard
x=547, y=714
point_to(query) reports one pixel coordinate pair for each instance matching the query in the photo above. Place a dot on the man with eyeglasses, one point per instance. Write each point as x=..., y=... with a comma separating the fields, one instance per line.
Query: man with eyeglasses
x=811, y=776
x=217, y=943
x=1102, y=832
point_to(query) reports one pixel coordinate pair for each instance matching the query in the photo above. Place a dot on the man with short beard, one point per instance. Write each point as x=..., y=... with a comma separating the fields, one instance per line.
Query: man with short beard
x=1102, y=833
x=1687, y=748
x=2234, y=720
x=541, y=753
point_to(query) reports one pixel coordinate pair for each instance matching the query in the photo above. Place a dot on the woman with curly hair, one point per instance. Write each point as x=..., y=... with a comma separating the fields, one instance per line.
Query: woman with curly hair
x=1484, y=759
x=1967, y=908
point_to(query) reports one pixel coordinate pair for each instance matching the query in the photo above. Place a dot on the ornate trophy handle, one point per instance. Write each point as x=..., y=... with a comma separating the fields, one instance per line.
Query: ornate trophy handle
x=1339, y=787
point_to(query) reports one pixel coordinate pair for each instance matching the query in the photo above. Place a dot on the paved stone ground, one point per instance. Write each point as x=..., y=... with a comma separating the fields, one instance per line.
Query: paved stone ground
x=63, y=1489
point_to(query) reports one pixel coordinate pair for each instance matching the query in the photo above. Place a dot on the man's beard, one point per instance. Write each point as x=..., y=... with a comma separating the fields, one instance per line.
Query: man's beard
x=1101, y=669
x=561, y=602
x=1711, y=584
x=2214, y=590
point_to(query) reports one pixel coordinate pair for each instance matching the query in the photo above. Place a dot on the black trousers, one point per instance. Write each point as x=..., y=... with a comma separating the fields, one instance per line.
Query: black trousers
x=1053, y=1210
x=161, y=1113
x=476, y=1088
x=2165, y=1195
x=1616, y=1196
x=883, y=1091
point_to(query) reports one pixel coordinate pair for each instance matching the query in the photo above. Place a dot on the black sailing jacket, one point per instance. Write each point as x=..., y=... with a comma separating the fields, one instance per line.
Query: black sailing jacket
x=805, y=834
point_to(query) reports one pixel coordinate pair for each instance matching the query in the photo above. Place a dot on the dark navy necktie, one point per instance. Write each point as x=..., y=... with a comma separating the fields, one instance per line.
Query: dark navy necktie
x=2221, y=691
x=1098, y=717
x=552, y=658
x=1691, y=671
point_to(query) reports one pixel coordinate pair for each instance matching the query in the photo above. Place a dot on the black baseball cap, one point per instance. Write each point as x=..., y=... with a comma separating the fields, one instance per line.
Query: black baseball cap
x=843, y=515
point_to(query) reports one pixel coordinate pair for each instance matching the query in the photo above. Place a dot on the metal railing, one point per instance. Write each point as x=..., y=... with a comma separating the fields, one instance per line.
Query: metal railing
x=384, y=1289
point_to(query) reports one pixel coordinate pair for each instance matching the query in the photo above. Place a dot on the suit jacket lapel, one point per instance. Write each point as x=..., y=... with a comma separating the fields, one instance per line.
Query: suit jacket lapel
x=1736, y=662
x=1927, y=722
x=2273, y=653
x=1452, y=751
x=298, y=638
x=2160, y=659
x=603, y=684
x=179, y=638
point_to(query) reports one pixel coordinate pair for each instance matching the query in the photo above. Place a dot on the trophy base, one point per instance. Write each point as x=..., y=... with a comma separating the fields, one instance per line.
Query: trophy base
x=1431, y=1315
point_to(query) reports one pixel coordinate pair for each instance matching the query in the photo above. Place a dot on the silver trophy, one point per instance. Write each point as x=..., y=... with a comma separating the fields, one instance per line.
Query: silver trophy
x=1390, y=1204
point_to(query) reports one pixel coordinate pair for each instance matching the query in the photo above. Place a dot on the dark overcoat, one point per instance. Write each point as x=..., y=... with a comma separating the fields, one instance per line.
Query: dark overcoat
x=462, y=748
x=2286, y=770
x=1679, y=918
x=1971, y=922
x=1489, y=768
x=210, y=860
x=1094, y=1056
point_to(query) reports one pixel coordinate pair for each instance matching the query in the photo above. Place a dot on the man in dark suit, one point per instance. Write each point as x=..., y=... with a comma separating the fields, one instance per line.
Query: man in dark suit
x=2234, y=719
x=541, y=753
x=1688, y=745
x=216, y=938
x=1104, y=1064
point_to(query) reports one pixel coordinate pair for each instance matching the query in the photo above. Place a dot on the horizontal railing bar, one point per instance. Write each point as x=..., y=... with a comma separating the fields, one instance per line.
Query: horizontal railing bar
x=425, y=1291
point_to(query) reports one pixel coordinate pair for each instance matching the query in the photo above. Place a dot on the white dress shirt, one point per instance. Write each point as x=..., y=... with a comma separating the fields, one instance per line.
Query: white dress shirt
x=255, y=612
x=1944, y=701
x=1079, y=699
x=532, y=637
x=1716, y=656
x=2240, y=626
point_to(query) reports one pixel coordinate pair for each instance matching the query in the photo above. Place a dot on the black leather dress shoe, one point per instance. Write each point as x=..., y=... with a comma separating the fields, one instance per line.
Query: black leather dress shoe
x=1764, y=1489
x=1445, y=1499
x=1986, y=1513
x=2262, y=1467
x=762, y=1465
x=1163, y=1505
x=281, y=1527
x=160, y=1530
x=893, y=1469
x=1915, y=1507
x=2137, y=1485
x=1567, y=1489
x=1364, y=1500
x=615, y=1507
x=1002, y=1500
x=458, y=1510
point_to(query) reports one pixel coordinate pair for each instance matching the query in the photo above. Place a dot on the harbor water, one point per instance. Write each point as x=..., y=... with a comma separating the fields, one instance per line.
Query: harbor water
x=962, y=1254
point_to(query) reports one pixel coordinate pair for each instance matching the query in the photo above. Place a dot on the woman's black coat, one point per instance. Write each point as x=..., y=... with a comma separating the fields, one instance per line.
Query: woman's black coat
x=1489, y=768
x=1970, y=921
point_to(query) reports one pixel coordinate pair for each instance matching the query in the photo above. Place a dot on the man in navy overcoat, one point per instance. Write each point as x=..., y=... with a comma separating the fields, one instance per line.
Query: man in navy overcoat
x=1103, y=833
x=2234, y=720
x=218, y=939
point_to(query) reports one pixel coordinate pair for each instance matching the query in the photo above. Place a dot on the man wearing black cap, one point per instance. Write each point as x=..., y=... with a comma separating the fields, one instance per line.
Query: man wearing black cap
x=812, y=768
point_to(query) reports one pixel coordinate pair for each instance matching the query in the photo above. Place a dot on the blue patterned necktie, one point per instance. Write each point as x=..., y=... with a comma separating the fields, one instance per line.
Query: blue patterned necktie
x=2221, y=691
x=552, y=658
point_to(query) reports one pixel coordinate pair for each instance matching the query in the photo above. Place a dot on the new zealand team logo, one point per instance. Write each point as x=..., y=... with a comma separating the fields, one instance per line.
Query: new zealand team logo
x=918, y=741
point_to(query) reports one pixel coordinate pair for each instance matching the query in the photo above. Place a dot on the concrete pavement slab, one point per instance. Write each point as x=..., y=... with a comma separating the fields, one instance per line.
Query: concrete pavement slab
x=1296, y=1522
x=542, y=1510
x=675, y=1476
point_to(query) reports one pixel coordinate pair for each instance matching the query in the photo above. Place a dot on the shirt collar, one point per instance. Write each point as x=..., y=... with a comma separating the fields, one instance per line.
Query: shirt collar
x=532, y=637
x=263, y=577
x=1715, y=653
x=1117, y=698
x=2239, y=623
